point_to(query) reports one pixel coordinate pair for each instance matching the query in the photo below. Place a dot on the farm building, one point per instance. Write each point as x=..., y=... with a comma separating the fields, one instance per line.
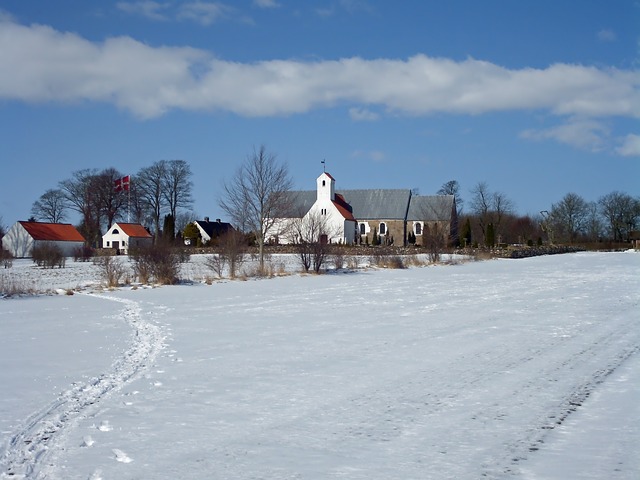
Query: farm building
x=23, y=237
x=124, y=236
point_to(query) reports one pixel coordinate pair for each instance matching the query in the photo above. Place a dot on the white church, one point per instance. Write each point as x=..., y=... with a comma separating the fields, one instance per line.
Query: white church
x=329, y=209
x=355, y=216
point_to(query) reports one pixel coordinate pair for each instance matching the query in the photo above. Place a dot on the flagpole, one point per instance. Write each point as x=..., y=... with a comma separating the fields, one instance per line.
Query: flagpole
x=129, y=201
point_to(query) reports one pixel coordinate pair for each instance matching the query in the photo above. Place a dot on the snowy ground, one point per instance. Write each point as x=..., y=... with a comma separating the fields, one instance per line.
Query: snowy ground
x=499, y=369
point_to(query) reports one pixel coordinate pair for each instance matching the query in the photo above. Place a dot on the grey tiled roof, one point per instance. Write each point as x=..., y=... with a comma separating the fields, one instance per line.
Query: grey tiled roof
x=383, y=204
x=301, y=202
x=431, y=207
x=378, y=203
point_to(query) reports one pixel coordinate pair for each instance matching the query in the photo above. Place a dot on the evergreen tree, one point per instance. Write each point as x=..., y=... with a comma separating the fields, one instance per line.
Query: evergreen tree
x=191, y=233
x=375, y=240
x=169, y=228
x=491, y=235
x=466, y=232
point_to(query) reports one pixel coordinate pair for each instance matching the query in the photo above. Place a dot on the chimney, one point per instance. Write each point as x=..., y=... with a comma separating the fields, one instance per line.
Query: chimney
x=206, y=219
x=218, y=220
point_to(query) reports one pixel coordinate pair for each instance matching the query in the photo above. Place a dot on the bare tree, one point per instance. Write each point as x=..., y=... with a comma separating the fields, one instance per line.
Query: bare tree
x=481, y=206
x=310, y=235
x=452, y=187
x=183, y=219
x=257, y=196
x=138, y=207
x=232, y=247
x=50, y=207
x=439, y=215
x=594, y=227
x=150, y=185
x=81, y=195
x=569, y=217
x=621, y=211
x=176, y=187
x=490, y=209
x=109, y=201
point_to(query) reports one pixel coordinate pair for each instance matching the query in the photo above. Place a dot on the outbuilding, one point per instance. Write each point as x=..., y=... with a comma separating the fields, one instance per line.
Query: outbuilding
x=23, y=237
x=124, y=236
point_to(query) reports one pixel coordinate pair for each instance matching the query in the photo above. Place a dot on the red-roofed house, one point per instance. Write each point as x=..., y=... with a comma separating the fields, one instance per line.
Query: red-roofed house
x=123, y=236
x=24, y=236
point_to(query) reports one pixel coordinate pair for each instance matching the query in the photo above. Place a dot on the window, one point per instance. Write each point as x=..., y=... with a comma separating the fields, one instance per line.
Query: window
x=108, y=244
x=323, y=183
x=383, y=228
x=115, y=231
x=418, y=228
x=363, y=229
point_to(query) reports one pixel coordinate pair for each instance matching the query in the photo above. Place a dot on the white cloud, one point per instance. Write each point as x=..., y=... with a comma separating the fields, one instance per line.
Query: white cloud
x=363, y=114
x=374, y=155
x=145, y=8
x=586, y=134
x=38, y=63
x=204, y=13
x=606, y=35
x=630, y=146
x=266, y=3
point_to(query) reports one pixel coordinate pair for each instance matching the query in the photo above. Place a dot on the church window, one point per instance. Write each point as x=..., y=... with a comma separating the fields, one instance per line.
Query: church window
x=383, y=228
x=418, y=228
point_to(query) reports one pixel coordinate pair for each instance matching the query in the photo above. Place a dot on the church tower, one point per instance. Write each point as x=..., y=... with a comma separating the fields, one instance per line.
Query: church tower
x=326, y=187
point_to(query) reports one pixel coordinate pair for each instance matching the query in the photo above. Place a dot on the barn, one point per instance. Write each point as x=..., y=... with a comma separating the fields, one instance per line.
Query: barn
x=23, y=237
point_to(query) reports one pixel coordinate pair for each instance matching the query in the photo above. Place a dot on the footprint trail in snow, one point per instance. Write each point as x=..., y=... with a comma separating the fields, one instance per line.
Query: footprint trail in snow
x=34, y=443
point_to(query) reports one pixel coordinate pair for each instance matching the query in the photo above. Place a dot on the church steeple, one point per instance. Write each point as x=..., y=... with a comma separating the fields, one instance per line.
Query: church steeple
x=326, y=187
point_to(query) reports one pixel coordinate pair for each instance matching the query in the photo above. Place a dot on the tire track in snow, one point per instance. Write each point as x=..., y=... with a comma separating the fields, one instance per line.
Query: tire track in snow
x=26, y=453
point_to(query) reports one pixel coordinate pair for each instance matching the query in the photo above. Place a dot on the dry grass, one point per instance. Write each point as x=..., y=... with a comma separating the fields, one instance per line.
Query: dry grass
x=10, y=287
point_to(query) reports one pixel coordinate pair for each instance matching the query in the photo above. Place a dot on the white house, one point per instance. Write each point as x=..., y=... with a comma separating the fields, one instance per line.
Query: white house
x=124, y=236
x=22, y=237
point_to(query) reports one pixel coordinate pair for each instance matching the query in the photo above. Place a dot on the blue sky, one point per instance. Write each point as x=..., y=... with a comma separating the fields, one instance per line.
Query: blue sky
x=537, y=98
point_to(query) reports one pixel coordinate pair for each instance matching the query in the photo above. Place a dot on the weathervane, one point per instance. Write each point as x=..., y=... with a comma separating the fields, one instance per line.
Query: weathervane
x=324, y=166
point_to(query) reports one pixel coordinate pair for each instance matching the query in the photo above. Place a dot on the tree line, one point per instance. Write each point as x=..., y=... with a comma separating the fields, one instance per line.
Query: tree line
x=161, y=194
x=157, y=197
x=492, y=219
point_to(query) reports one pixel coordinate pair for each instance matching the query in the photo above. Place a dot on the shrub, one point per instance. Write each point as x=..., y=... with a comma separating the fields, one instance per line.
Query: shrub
x=83, y=254
x=232, y=247
x=6, y=258
x=216, y=263
x=383, y=259
x=111, y=268
x=159, y=263
x=338, y=257
x=48, y=255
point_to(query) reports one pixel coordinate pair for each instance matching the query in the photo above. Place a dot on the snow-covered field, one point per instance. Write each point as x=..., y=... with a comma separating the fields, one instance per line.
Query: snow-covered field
x=498, y=369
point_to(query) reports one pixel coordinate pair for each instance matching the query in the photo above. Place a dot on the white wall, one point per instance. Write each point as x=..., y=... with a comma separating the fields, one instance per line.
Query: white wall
x=18, y=242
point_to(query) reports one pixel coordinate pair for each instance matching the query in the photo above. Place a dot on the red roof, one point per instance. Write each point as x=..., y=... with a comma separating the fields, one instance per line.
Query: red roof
x=60, y=232
x=134, y=230
x=343, y=207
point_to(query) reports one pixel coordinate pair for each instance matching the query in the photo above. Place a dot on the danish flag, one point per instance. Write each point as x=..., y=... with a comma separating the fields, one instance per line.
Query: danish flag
x=122, y=184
